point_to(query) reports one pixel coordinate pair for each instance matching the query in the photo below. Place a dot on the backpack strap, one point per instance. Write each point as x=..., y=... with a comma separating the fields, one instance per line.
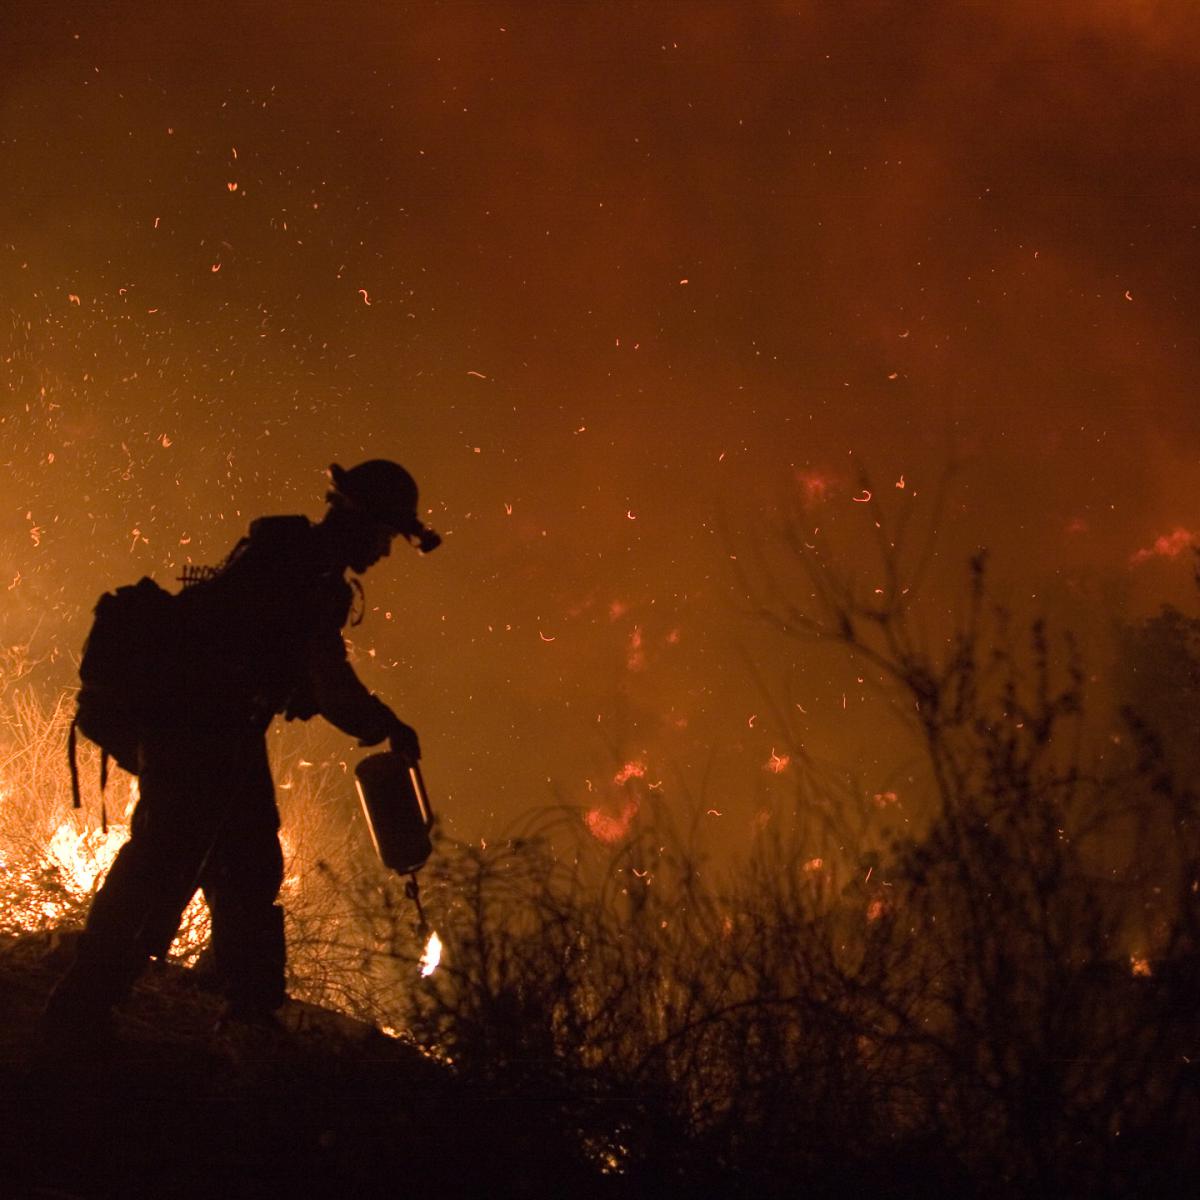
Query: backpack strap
x=104, y=757
x=73, y=765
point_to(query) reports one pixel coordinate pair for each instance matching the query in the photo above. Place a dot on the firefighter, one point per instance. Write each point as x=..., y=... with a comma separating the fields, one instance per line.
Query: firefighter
x=258, y=637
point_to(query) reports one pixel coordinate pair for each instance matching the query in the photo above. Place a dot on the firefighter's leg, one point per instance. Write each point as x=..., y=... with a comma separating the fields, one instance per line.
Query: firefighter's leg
x=144, y=893
x=241, y=881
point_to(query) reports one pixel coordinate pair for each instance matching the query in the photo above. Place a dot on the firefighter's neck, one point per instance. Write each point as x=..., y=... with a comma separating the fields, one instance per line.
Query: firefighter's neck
x=337, y=533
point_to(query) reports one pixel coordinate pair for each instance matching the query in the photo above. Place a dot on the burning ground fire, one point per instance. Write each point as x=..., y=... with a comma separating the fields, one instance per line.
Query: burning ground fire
x=50, y=885
x=42, y=889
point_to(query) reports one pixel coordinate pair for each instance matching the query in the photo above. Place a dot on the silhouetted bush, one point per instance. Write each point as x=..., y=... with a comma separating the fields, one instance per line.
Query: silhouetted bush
x=969, y=1016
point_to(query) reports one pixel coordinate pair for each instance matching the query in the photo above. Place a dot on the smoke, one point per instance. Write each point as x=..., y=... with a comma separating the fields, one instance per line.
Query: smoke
x=633, y=274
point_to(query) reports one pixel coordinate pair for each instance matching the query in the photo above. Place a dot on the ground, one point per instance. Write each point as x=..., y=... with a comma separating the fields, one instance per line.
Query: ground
x=327, y=1107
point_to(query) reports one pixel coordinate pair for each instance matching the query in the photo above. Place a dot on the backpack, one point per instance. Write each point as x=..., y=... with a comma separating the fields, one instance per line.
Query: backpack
x=125, y=674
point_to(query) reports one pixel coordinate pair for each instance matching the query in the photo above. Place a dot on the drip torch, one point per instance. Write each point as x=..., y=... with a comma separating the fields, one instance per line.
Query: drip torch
x=399, y=816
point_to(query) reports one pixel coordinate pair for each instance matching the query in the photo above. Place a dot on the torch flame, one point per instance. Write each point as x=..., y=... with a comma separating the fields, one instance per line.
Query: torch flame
x=431, y=956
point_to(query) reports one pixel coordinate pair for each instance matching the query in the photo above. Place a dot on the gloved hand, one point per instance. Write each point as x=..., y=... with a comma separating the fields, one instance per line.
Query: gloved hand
x=403, y=740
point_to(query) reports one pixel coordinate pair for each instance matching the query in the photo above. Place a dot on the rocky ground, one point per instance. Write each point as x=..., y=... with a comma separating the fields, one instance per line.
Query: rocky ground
x=324, y=1107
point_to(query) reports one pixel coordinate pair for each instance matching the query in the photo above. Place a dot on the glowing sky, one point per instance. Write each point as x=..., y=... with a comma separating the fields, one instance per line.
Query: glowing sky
x=612, y=280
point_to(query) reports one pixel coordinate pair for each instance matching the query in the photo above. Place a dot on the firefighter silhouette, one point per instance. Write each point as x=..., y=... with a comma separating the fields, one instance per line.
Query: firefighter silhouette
x=256, y=637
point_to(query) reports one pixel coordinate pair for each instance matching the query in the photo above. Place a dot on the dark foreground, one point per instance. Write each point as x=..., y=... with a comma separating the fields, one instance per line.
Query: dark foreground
x=327, y=1107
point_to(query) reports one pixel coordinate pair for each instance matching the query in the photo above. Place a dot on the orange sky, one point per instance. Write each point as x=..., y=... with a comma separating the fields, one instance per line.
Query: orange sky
x=631, y=271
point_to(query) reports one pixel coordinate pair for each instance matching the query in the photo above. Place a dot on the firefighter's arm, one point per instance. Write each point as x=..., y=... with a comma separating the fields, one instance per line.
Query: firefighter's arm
x=343, y=699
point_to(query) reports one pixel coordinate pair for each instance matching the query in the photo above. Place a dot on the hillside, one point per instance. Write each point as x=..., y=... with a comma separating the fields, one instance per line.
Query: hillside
x=327, y=1107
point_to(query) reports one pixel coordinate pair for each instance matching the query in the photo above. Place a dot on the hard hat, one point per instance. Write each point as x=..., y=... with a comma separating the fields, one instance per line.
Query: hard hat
x=387, y=493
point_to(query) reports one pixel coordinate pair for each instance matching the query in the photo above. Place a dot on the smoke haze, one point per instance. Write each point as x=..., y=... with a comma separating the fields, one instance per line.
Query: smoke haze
x=623, y=285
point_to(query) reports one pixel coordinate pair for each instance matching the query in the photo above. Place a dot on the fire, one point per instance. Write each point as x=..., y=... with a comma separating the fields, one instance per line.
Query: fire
x=431, y=956
x=609, y=827
x=606, y=828
x=84, y=856
x=1170, y=545
x=39, y=891
x=634, y=769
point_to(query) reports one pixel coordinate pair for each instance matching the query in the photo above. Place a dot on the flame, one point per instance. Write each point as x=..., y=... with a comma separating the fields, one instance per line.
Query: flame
x=37, y=892
x=431, y=955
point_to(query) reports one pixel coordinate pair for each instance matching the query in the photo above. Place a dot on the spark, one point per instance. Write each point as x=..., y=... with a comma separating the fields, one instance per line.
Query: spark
x=750, y=722
x=777, y=763
x=865, y=498
x=712, y=812
x=631, y=514
x=814, y=864
x=74, y=299
x=477, y=374
x=366, y=296
x=232, y=185
x=216, y=267
x=508, y=508
x=156, y=221
x=1128, y=294
x=545, y=638
x=900, y=482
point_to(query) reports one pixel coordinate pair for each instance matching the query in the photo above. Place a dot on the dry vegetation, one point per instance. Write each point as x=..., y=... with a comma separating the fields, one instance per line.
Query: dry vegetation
x=969, y=1015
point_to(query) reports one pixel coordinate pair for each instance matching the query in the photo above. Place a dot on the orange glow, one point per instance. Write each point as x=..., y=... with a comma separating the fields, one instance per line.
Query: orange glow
x=634, y=769
x=606, y=828
x=815, y=486
x=636, y=658
x=1170, y=545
